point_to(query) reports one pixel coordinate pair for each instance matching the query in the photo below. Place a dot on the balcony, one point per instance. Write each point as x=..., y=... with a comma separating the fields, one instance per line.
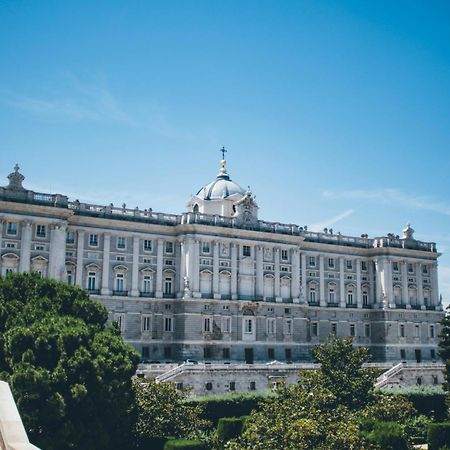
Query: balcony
x=313, y=303
x=367, y=306
x=120, y=293
x=416, y=307
x=93, y=291
x=351, y=305
x=146, y=294
x=168, y=295
x=431, y=308
x=332, y=305
x=400, y=306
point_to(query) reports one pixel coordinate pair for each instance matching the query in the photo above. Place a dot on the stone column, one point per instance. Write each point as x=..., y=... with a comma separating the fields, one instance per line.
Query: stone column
x=322, y=298
x=135, y=268
x=341, y=282
x=57, y=256
x=159, y=268
x=216, y=289
x=259, y=291
x=419, y=283
x=379, y=264
x=105, y=271
x=434, y=284
x=80, y=249
x=196, y=264
x=183, y=271
x=358, y=283
x=234, y=249
x=303, y=294
x=387, y=283
x=371, y=282
x=405, y=296
x=295, y=276
x=277, y=276
x=25, y=247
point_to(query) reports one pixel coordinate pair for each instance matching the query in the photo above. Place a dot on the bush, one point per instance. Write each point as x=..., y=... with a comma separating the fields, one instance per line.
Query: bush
x=230, y=428
x=232, y=405
x=438, y=435
x=387, y=435
x=184, y=444
x=416, y=429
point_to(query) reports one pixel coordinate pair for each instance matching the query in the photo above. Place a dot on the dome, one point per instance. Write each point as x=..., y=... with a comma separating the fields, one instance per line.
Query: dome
x=222, y=187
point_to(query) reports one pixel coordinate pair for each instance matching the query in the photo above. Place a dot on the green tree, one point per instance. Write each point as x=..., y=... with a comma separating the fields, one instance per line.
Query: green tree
x=444, y=348
x=162, y=412
x=70, y=373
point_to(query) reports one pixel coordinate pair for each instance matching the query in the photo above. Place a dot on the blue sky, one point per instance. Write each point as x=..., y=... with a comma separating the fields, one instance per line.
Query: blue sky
x=335, y=113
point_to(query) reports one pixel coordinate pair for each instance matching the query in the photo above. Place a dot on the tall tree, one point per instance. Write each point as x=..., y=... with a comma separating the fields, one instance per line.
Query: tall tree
x=70, y=373
x=444, y=347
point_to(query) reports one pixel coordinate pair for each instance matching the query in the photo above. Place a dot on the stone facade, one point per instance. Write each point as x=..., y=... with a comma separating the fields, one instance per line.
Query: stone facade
x=217, y=284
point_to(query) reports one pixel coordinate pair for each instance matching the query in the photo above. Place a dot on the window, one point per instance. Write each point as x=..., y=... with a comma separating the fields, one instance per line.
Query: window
x=425, y=270
x=334, y=328
x=120, y=282
x=208, y=386
x=226, y=353
x=410, y=268
x=145, y=352
x=41, y=231
x=120, y=258
x=169, y=247
x=121, y=242
x=349, y=263
x=168, y=324
x=402, y=330
x=246, y=251
x=248, y=326
x=205, y=247
x=331, y=263
x=207, y=324
x=363, y=265
x=92, y=281
x=288, y=326
x=271, y=326
x=288, y=354
x=120, y=319
x=207, y=352
x=69, y=277
x=352, y=330
x=314, y=329
x=147, y=260
x=253, y=385
x=435, y=379
x=312, y=294
x=350, y=298
x=147, y=284
x=433, y=353
x=146, y=321
x=402, y=354
x=365, y=298
x=417, y=331
x=284, y=255
x=419, y=381
x=312, y=261
x=270, y=353
x=179, y=386
x=41, y=247
x=93, y=240
x=432, y=331
x=11, y=228
x=70, y=237
x=287, y=310
x=367, y=330
x=168, y=286
x=226, y=324
x=148, y=245
x=232, y=385
x=167, y=306
x=331, y=295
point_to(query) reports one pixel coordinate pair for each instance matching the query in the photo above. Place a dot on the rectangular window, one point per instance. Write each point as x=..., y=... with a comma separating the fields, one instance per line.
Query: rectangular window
x=432, y=331
x=92, y=281
x=207, y=324
x=288, y=326
x=226, y=324
x=169, y=247
x=232, y=385
x=367, y=330
x=147, y=284
x=253, y=385
x=207, y=352
x=352, y=330
x=288, y=354
x=363, y=265
x=425, y=269
x=284, y=255
x=402, y=354
x=248, y=326
x=312, y=261
x=246, y=251
x=226, y=353
x=120, y=319
x=349, y=298
x=334, y=328
x=395, y=266
x=179, y=386
x=314, y=329
x=70, y=237
x=168, y=286
x=410, y=268
x=417, y=331
x=205, y=247
x=146, y=321
x=120, y=282
x=312, y=295
x=349, y=264
x=93, y=240
x=271, y=353
x=433, y=353
x=120, y=258
x=69, y=277
x=41, y=231
x=365, y=298
x=121, y=242
x=168, y=324
x=331, y=263
x=148, y=245
x=402, y=330
x=271, y=326
x=11, y=228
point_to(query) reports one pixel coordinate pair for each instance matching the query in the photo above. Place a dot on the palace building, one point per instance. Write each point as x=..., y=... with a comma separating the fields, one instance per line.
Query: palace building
x=216, y=283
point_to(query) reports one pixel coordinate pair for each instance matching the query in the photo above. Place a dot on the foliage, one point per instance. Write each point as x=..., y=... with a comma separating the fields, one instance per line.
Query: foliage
x=162, y=412
x=388, y=408
x=230, y=405
x=438, y=435
x=444, y=348
x=342, y=372
x=70, y=373
x=428, y=400
x=229, y=428
x=183, y=444
x=387, y=436
x=416, y=429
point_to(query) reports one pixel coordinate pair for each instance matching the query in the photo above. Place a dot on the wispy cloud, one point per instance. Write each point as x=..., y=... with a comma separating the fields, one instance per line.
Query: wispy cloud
x=394, y=197
x=332, y=221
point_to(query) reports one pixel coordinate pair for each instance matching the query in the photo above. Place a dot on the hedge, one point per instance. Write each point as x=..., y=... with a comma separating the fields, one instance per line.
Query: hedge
x=232, y=405
x=438, y=435
x=387, y=435
x=429, y=401
x=185, y=444
x=230, y=428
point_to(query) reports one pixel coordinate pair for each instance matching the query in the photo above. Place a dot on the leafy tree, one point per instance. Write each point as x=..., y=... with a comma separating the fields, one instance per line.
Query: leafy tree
x=444, y=345
x=70, y=373
x=163, y=412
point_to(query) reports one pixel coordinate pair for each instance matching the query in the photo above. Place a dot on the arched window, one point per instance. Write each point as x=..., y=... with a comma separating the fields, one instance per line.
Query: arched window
x=195, y=209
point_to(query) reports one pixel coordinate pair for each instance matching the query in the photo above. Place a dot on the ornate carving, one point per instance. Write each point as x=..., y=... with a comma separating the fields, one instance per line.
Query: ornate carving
x=15, y=180
x=187, y=291
x=246, y=210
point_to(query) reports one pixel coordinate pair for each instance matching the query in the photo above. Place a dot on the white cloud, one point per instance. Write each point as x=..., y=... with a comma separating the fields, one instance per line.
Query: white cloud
x=332, y=221
x=395, y=197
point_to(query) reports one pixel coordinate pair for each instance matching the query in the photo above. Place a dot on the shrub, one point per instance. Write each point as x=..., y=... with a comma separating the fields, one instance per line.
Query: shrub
x=438, y=435
x=387, y=435
x=184, y=444
x=416, y=429
x=230, y=427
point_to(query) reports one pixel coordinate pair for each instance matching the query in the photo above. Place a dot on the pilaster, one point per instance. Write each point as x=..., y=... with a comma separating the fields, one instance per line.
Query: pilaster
x=216, y=292
x=135, y=268
x=80, y=250
x=322, y=281
x=358, y=283
x=259, y=290
x=159, y=268
x=295, y=276
x=234, y=249
x=57, y=256
x=277, y=276
x=404, y=269
x=196, y=266
x=105, y=271
x=342, y=282
x=303, y=281
x=25, y=247
x=419, y=283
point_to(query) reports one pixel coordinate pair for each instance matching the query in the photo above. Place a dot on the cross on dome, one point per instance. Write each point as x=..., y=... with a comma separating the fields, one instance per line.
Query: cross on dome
x=223, y=152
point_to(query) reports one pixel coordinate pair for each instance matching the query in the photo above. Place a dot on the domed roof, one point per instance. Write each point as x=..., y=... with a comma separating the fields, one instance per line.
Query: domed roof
x=222, y=187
